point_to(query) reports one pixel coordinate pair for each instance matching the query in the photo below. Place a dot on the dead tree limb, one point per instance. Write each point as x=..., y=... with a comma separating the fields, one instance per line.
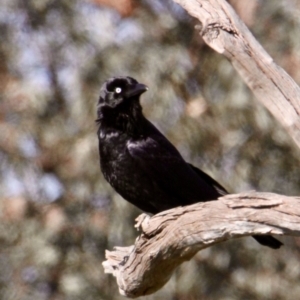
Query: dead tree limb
x=174, y=236
x=223, y=31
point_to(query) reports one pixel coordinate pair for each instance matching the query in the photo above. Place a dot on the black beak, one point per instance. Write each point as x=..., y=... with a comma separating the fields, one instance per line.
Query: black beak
x=136, y=90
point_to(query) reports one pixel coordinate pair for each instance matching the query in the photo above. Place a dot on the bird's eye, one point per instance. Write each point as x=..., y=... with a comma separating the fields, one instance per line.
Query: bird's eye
x=118, y=90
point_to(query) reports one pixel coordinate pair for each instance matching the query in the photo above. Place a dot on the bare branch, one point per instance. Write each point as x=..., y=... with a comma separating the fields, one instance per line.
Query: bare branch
x=223, y=31
x=174, y=236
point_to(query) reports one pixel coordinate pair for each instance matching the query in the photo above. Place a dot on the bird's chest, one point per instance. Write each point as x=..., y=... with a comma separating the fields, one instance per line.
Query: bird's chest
x=115, y=160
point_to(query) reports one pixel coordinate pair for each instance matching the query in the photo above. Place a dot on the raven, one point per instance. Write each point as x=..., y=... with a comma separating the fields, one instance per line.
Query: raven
x=140, y=163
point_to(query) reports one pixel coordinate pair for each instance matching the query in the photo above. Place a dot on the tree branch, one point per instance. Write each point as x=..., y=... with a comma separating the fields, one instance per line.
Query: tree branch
x=174, y=236
x=223, y=31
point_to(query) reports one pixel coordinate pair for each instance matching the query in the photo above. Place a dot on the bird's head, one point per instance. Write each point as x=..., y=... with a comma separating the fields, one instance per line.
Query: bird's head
x=119, y=91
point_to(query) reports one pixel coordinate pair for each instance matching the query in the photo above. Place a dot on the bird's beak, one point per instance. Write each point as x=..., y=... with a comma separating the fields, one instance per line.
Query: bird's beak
x=136, y=90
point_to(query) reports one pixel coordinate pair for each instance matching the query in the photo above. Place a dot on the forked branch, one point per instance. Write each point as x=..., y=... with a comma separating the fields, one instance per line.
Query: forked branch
x=174, y=236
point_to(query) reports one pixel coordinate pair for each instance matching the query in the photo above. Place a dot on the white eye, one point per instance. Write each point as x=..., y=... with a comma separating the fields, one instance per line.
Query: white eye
x=118, y=90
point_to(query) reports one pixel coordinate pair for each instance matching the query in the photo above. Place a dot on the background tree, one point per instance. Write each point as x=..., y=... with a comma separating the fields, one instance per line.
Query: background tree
x=57, y=212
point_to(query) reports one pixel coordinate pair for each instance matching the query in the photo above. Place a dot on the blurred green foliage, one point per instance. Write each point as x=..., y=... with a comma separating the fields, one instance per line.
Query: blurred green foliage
x=58, y=215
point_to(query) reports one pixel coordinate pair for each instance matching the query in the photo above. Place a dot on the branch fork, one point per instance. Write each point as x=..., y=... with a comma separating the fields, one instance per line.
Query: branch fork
x=174, y=236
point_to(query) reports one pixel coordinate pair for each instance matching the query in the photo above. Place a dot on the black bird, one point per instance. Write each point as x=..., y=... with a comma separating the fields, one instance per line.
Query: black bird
x=140, y=163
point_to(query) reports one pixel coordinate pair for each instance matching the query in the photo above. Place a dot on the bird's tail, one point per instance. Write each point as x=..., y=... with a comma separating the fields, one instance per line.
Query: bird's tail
x=267, y=240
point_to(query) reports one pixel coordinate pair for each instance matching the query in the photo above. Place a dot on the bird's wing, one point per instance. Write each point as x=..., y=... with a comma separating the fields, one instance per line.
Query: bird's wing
x=213, y=182
x=163, y=164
